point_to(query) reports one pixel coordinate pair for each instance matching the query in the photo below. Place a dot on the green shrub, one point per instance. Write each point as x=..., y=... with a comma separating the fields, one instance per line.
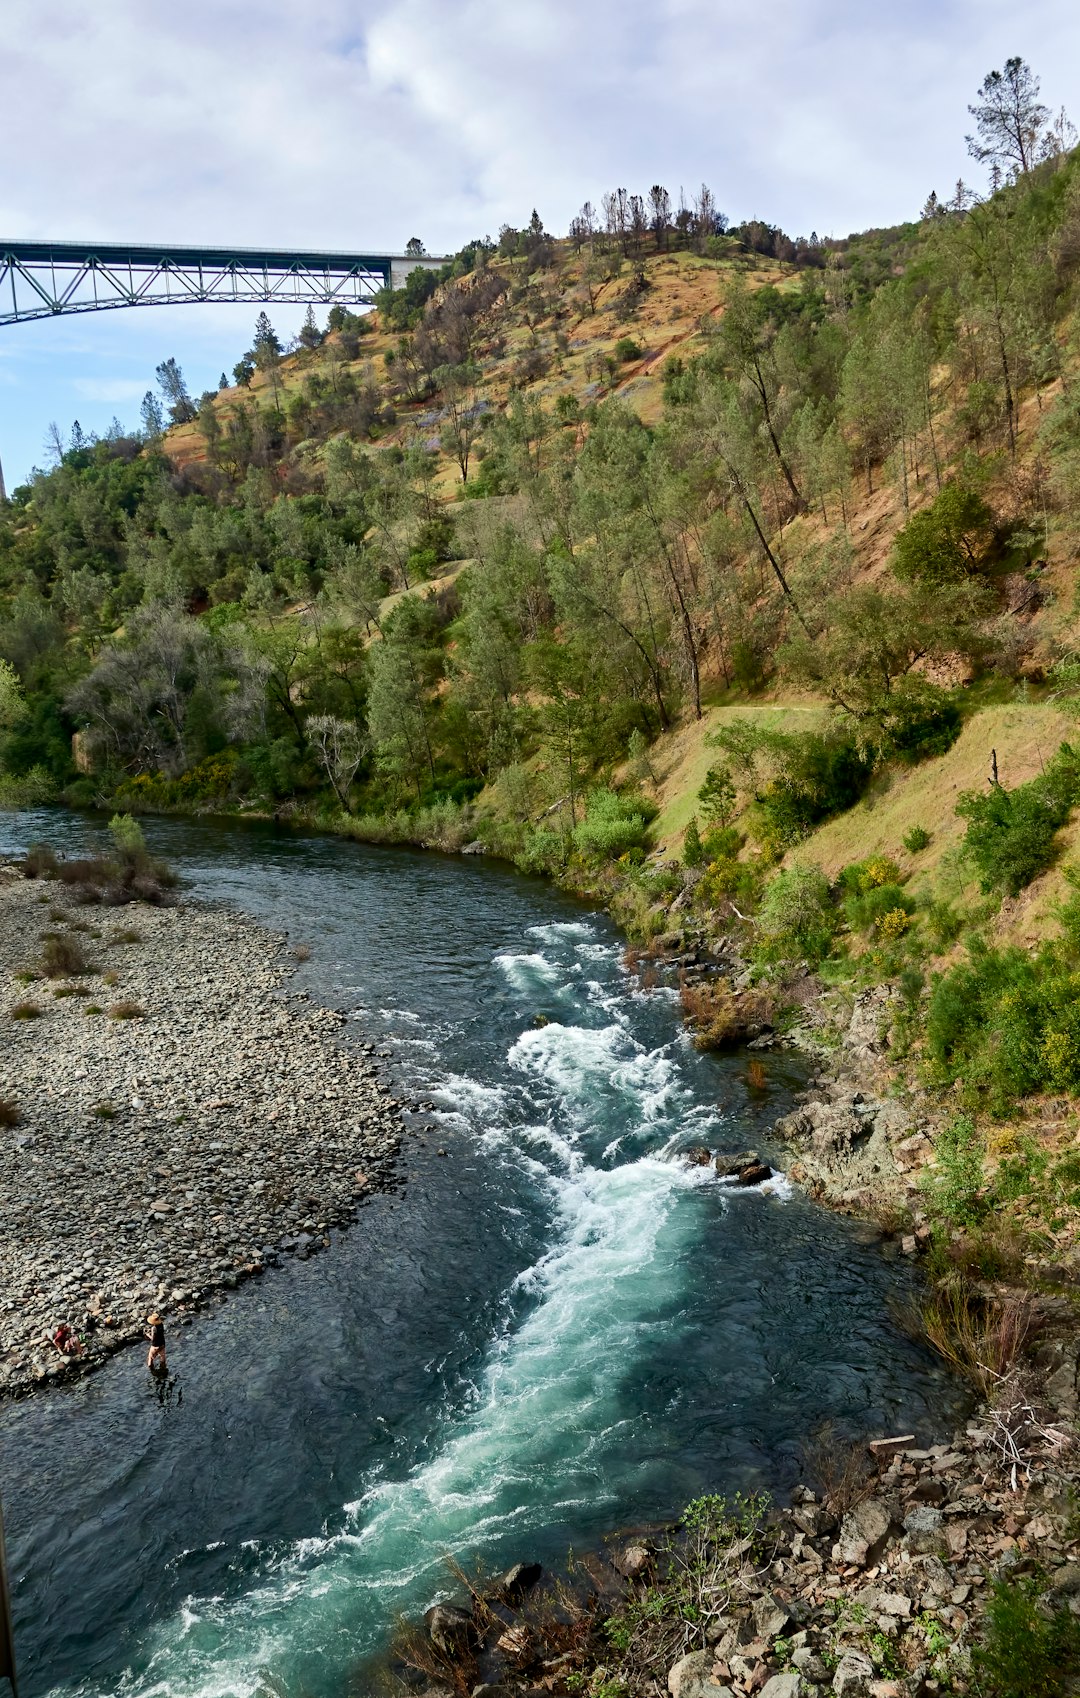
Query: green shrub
x=727, y=874
x=916, y=720
x=943, y=924
x=796, y=918
x=717, y=796
x=915, y=840
x=799, y=778
x=955, y=1184
x=1027, y=1651
x=626, y=349
x=542, y=851
x=864, y=911
x=1007, y=1023
x=1010, y=833
x=127, y=834
x=612, y=826
x=693, y=853
x=947, y=541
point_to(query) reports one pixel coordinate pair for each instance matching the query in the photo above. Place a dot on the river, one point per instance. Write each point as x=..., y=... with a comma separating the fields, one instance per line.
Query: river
x=552, y=1330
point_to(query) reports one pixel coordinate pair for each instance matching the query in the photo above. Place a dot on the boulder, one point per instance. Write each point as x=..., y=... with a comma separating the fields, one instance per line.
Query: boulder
x=770, y=1616
x=698, y=1156
x=1065, y=1583
x=692, y=1677
x=451, y=1629
x=515, y=1582
x=922, y=1528
x=729, y=1167
x=755, y=1174
x=787, y=1685
x=633, y=1561
x=863, y=1532
x=811, y=1665
x=853, y=1676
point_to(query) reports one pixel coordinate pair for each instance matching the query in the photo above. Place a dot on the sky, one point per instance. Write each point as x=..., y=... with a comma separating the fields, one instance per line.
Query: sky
x=360, y=123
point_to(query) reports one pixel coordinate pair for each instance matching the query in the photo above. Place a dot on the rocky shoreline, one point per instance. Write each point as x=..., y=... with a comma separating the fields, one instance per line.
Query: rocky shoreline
x=870, y=1587
x=173, y=1120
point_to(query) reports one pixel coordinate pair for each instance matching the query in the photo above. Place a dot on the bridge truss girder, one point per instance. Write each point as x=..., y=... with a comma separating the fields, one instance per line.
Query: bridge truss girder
x=47, y=279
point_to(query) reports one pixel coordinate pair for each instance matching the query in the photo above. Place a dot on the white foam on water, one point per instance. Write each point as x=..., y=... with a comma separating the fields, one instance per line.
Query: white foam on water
x=558, y=929
x=531, y=1448
x=529, y=972
x=543, y=1436
x=585, y=1064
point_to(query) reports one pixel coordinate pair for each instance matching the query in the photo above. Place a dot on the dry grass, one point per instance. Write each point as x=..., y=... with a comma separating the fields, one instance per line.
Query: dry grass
x=26, y=1011
x=1025, y=735
x=720, y=1019
x=842, y=1469
x=62, y=957
x=119, y=938
x=40, y=862
x=682, y=758
x=126, y=1011
x=983, y=1338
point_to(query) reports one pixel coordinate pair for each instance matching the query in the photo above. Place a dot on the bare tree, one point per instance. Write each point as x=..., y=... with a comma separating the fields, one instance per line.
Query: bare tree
x=341, y=745
x=705, y=214
x=583, y=226
x=136, y=700
x=462, y=414
x=639, y=223
x=659, y=214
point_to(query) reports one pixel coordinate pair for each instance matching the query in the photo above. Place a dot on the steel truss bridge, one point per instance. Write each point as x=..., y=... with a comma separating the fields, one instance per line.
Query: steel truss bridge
x=46, y=279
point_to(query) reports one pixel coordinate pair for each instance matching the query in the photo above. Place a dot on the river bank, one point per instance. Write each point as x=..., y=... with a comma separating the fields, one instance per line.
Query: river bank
x=881, y=1583
x=175, y=1121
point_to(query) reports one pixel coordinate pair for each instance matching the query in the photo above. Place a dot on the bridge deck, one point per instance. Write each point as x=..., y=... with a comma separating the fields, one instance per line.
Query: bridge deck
x=42, y=279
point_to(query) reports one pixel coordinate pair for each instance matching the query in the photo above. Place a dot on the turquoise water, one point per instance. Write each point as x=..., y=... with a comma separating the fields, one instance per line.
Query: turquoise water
x=555, y=1330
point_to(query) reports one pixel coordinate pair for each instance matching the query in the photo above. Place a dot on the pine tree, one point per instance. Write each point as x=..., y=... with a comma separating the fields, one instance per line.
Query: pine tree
x=171, y=383
x=266, y=340
x=1009, y=118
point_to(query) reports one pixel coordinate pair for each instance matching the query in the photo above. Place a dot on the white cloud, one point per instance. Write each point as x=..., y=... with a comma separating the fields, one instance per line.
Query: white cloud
x=360, y=121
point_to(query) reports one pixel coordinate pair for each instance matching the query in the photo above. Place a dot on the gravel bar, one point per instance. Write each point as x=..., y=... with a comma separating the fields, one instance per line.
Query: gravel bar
x=151, y=1162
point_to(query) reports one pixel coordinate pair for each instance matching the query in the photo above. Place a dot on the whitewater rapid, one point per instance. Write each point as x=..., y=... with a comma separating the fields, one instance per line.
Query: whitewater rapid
x=594, y=1117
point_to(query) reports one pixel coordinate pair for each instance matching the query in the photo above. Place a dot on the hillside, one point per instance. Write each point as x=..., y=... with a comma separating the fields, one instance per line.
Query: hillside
x=675, y=562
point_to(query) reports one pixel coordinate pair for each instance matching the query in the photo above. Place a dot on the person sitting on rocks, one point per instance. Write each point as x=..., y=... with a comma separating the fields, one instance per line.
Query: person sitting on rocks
x=155, y=1356
x=66, y=1341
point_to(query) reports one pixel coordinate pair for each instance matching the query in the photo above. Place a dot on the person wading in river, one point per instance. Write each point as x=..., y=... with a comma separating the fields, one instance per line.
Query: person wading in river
x=155, y=1356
